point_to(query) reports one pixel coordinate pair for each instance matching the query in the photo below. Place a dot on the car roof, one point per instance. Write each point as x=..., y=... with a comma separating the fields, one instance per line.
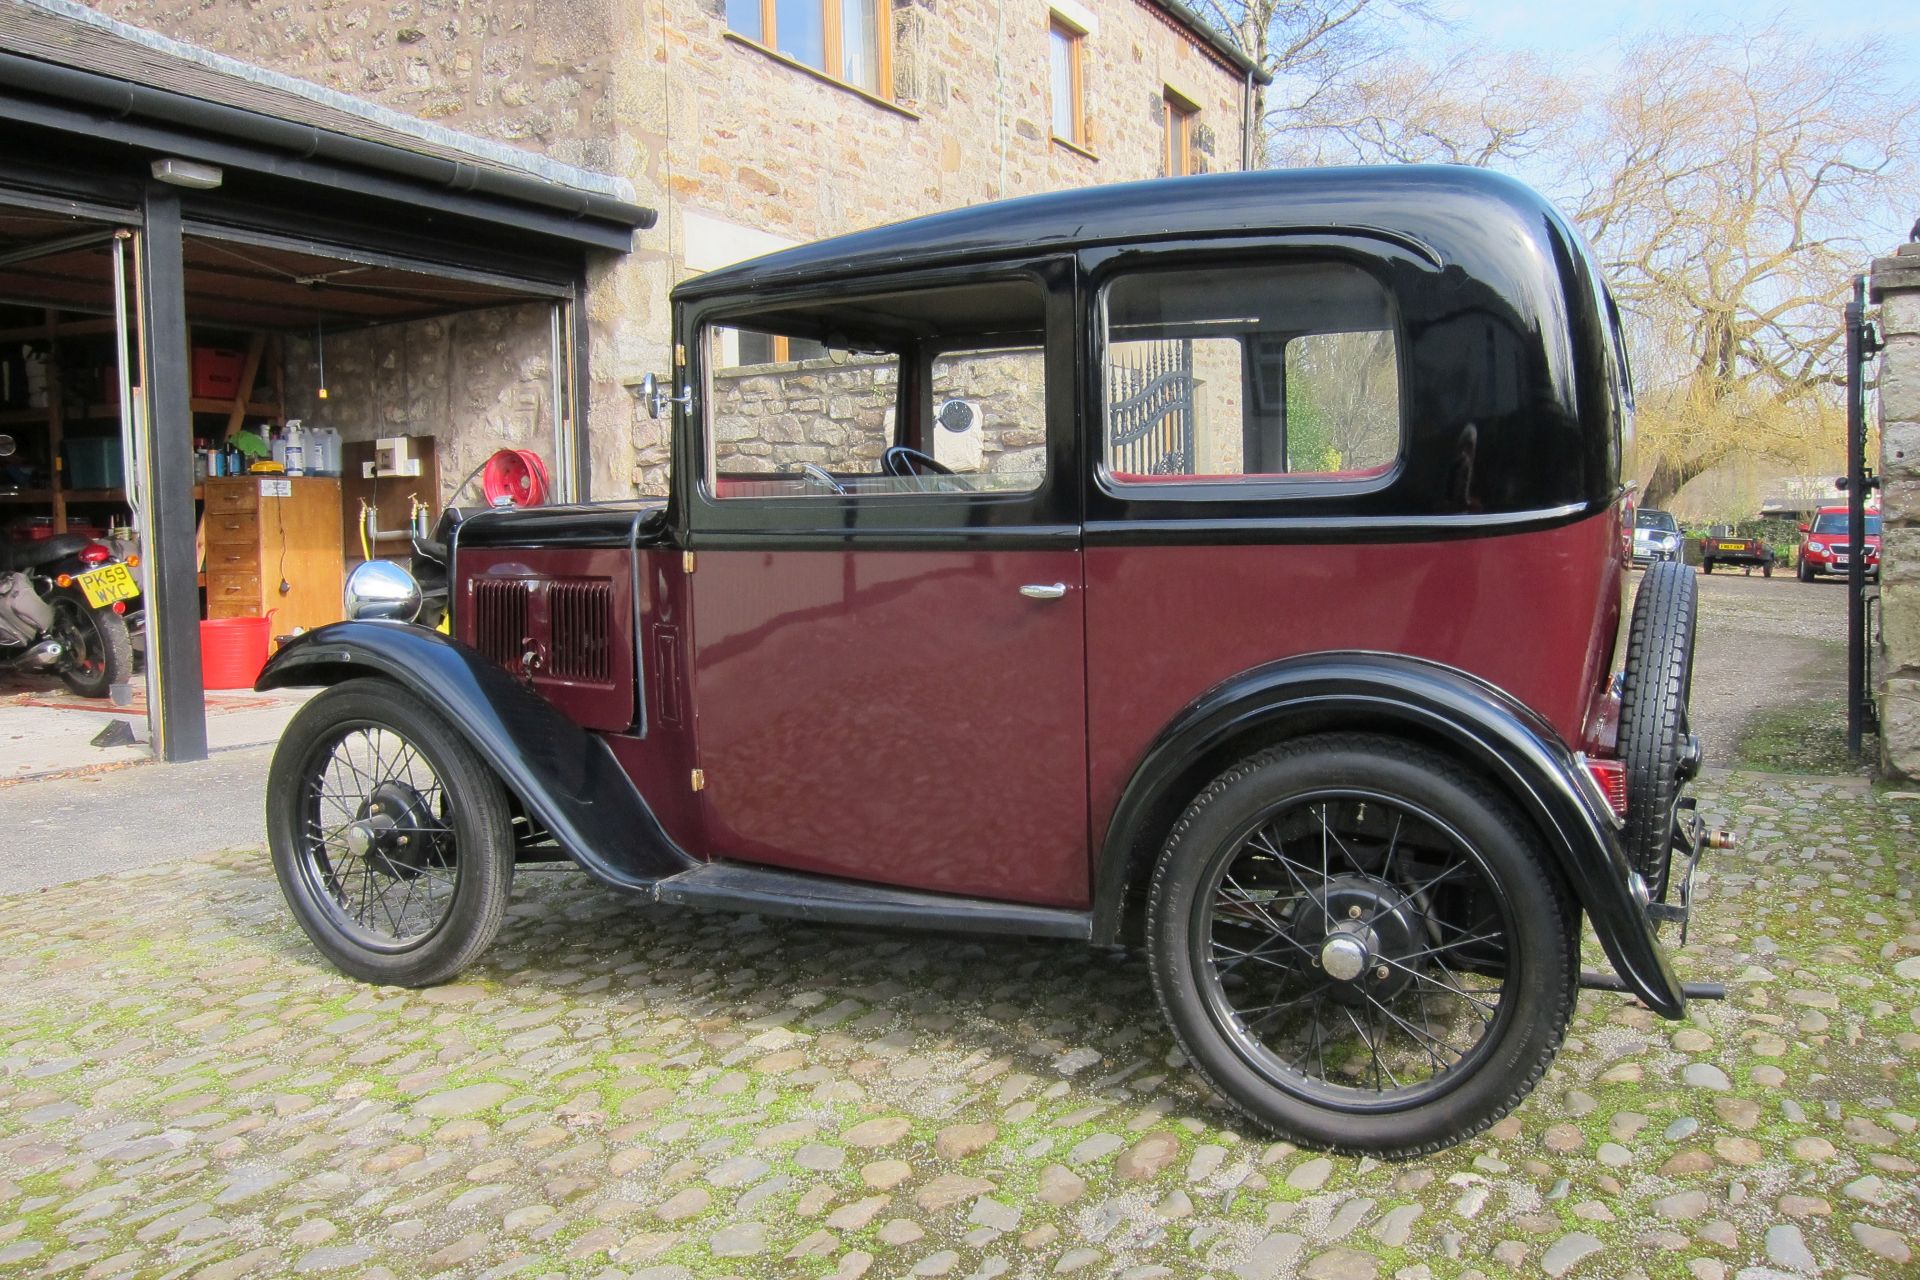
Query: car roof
x=1433, y=209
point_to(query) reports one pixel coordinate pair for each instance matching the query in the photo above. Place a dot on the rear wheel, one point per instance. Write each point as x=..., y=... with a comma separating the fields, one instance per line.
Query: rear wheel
x=391, y=838
x=98, y=651
x=1706, y=566
x=1360, y=945
x=1654, y=735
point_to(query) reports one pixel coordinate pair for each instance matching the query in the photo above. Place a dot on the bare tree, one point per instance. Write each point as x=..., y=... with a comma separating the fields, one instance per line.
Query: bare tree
x=1732, y=186
x=1313, y=49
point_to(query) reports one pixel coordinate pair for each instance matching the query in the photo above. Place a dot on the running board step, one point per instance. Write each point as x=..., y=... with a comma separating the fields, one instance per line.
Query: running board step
x=726, y=886
x=1591, y=981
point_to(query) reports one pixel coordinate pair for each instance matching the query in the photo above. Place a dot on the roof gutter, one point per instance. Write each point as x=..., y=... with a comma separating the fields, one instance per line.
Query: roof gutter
x=1201, y=30
x=121, y=99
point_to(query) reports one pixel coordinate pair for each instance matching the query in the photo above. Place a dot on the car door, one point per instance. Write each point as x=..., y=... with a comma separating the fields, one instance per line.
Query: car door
x=888, y=667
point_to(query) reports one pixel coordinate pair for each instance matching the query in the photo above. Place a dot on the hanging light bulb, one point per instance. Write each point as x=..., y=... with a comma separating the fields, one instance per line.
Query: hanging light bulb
x=320, y=353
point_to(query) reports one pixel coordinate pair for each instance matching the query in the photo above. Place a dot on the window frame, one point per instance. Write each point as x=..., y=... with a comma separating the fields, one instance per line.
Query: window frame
x=1046, y=516
x=1080, y=136
x=1262, y=486
x=833, y=43
x=1177, y=115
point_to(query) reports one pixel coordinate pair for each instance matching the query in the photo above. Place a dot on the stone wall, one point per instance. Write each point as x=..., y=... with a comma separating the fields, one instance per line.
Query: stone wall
x=840, y=416
x=1896, y=287
x=739, y=150
x=479, y=382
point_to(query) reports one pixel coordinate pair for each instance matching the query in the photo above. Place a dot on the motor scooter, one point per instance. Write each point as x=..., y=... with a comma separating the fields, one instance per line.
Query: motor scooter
x=63, y=602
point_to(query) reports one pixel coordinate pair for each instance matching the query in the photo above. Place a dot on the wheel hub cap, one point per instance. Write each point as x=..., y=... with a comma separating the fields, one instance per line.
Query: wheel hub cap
x=1345, y=953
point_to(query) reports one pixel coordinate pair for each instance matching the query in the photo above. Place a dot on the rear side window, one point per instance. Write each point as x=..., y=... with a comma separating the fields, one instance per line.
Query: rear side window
x=1250, y=375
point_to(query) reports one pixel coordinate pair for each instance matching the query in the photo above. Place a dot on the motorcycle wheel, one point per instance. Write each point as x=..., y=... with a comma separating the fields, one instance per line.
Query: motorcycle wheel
x=99, y=651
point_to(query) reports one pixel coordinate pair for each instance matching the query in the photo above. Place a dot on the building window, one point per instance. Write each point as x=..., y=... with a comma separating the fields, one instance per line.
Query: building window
x=1177, y=118
x=1064, y=45
x=846, y=39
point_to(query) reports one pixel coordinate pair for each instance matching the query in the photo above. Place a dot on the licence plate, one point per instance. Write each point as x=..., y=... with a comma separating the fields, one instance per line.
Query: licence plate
x=107, y=584
x=1733, y=546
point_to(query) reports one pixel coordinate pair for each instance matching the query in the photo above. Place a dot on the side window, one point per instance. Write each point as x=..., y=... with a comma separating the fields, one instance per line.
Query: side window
x=1250, y=374
x=929, y=392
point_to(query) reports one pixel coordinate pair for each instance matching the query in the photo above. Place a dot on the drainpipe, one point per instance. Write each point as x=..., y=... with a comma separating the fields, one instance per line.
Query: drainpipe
x=1246, y=123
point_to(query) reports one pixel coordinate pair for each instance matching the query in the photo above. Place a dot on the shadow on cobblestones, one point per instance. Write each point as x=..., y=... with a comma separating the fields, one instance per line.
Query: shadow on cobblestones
x=627, y=1091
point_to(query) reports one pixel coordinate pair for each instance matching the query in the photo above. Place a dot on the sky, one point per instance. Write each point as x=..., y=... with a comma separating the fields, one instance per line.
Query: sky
x=1595, y=32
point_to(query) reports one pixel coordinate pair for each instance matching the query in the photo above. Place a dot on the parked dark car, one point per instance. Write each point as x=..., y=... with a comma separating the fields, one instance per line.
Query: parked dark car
x=1721, y=547
x=1230, y=566
x=1825, y=544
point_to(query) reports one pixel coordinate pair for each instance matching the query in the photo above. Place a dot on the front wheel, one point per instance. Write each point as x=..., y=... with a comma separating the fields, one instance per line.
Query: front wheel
x=391, y=838
x=1361, y=946
x=1805, y=571
x=98, y=653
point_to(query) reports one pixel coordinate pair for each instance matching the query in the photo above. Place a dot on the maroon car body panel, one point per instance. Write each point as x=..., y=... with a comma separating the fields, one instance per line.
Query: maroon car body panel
x=572, y=609
x=1164, y=624
x=896, y=716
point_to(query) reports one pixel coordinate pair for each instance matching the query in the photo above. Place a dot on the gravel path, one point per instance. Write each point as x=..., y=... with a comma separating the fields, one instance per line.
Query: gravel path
x=623, y=1092
x=1763, y=643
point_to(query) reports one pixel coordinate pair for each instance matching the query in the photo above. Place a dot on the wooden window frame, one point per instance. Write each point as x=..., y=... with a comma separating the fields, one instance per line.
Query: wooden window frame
x=1077, y=92
x=1178, y=113
x=833, y=43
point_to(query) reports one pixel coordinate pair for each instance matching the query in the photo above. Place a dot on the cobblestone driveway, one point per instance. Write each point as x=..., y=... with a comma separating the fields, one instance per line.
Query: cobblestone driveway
x=186, y=1090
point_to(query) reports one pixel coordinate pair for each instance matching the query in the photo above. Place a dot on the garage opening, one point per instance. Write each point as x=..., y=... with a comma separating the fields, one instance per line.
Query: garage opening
x=338, y=398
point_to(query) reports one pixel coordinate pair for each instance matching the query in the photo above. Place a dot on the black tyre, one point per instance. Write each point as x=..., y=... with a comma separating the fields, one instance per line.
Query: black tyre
x=1361, y=946
x=1766, y=570
x=391, y=838
x=1653, y=716
x=1806, y=572
x=99, y=653
x=1706, y=566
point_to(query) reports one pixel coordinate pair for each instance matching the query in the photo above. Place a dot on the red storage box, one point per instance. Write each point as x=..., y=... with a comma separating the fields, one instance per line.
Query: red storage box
x=216, y=372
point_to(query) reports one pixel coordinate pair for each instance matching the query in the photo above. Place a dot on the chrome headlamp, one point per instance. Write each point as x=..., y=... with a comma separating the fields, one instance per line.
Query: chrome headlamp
x=382, y=591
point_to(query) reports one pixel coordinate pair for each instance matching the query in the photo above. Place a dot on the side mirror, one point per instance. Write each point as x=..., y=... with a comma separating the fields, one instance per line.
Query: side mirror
x=658, y=399
x=1805, y=528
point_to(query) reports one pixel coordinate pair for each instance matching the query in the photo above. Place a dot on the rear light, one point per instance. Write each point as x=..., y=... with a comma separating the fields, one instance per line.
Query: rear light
x=1611, y=775
x=94, y=553
x=119, y=606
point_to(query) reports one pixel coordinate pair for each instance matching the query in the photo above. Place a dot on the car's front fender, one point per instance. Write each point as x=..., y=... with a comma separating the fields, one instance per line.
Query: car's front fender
x=565, y=777
x=1478, y=724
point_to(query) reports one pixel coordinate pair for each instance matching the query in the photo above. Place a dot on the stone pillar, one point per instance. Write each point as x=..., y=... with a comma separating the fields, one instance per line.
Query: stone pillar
x=1895, y=286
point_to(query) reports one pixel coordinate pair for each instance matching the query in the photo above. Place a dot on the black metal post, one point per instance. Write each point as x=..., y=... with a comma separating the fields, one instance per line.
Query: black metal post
x=173, y=608
x=1857, y=694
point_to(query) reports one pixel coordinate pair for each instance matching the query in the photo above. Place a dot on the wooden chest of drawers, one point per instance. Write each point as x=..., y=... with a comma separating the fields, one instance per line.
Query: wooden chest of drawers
x=258, y=540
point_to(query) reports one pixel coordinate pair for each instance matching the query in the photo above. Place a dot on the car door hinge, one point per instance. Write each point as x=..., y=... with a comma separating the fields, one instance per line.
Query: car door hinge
x=686, y=561
x=680, y=354
x=699, y=779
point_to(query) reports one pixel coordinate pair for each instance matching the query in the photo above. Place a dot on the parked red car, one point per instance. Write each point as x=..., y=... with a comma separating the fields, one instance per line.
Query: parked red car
x=1825, y=545
x=1227, y=565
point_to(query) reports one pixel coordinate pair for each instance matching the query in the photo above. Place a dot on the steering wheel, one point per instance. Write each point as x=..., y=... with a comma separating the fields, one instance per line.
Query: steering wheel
x=910, y=464
x=818, y=474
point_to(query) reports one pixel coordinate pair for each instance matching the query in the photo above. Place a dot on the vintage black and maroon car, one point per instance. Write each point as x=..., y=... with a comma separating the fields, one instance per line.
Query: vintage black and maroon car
x=1230, y=566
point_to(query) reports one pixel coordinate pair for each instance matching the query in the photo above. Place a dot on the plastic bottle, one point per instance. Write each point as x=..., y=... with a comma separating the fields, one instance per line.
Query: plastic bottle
x=296, y=438
x=326, y=451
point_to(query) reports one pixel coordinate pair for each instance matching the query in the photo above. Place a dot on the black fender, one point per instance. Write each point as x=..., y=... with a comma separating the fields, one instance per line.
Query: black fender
x=1471, y=720
x=566, y=777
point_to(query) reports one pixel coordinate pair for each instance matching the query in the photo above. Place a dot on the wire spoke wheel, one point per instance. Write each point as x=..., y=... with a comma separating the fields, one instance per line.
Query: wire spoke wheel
x=1361, y=945
x=392, y=839
x=1353, y=946
x=379, y=847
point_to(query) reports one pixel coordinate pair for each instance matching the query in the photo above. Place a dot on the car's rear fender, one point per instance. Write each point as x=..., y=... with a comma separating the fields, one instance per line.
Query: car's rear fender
x=1470, y=720
x=565, y=777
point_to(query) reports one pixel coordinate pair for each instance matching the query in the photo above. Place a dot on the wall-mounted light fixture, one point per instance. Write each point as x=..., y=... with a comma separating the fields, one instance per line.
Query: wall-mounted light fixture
x=188, y=173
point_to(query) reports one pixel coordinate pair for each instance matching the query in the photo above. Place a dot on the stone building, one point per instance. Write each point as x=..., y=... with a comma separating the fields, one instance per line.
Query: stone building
x=1896, y=287
x=750, y=125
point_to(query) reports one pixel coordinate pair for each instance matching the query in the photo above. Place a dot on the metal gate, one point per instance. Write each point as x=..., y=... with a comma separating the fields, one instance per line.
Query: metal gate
x=1150, y=390
x=1863, y=343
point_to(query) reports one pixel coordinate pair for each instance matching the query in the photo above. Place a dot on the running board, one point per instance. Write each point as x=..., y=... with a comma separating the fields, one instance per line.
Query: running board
x=725, y=886
x=1591, y=981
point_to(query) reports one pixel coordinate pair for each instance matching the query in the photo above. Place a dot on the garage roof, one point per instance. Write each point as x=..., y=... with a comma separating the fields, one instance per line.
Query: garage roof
x=64, y=65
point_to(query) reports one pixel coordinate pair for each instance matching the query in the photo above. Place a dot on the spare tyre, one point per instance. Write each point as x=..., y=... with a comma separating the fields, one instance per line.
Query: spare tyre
x=1655, y=744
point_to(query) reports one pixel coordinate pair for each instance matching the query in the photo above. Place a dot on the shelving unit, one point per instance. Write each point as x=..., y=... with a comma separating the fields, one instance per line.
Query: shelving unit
x=52, y=425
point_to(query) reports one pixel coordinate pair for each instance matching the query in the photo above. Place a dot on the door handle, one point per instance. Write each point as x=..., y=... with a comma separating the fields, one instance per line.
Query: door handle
x=1044, y=590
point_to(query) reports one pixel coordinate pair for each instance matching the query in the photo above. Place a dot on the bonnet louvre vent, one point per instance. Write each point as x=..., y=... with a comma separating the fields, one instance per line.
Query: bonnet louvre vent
x=580, y=613
x=500, y=619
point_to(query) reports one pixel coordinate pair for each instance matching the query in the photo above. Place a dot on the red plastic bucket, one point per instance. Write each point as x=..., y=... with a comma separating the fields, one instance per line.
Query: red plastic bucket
x=232, y=651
